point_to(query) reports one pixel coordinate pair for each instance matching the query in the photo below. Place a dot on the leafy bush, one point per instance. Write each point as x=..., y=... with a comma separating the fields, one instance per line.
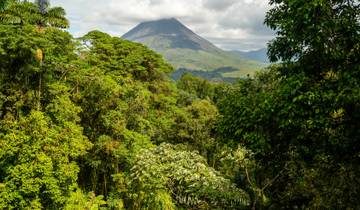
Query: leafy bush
x=182, y=178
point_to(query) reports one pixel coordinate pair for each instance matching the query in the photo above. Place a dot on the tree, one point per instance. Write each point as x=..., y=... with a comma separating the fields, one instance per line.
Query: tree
x=192, y=88
x=127, y=100
x=301, y=119
x=322, y=35
x=80, y=200
x=302, y=133
x=40, y=14
x=194, y=126
x=37, y=167
x=54, y=16
x=39, y=147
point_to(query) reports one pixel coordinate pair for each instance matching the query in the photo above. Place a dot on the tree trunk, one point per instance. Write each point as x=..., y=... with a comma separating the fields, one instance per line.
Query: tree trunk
x=39, y=94
x=39, y=89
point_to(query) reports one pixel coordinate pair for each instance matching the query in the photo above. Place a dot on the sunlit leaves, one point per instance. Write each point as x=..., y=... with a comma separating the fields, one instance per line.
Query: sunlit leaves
x=41, y=170
x=191, y=182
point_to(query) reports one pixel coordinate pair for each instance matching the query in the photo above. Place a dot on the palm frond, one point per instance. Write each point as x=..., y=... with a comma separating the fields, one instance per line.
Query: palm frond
x=19, y=13
x=56, y=12
x=56, y=17
x=57, y=22
x=9, y=19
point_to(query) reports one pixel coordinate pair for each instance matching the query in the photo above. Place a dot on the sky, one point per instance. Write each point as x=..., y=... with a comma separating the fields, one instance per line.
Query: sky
x=229, y=24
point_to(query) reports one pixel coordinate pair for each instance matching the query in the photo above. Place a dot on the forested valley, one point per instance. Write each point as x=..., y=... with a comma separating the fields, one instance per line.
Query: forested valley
x=96, y=123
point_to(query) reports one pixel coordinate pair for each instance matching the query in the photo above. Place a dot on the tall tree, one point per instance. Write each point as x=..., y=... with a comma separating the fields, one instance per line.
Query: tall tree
x=51, y=16
x=321, y=34
x=40, y=14
x=301, y=119
x=38, y=147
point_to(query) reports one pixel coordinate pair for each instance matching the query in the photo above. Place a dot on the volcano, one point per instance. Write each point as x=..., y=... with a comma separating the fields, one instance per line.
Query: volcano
x=189, y=52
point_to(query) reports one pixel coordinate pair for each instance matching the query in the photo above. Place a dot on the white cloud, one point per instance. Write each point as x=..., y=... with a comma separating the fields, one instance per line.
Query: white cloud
x=218, y=5
x=230, y=24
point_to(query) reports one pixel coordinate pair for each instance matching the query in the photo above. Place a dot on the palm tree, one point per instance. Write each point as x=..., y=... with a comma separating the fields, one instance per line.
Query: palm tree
x=47, y=17
x=54, y=17
x=39, y=13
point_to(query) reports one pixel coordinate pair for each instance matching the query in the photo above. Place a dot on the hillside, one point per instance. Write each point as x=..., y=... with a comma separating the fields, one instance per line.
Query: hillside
x=257, y=55
x=184, y=49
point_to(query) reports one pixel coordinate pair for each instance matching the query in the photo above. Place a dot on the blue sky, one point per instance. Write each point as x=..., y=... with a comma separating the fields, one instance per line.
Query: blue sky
x=229, y=24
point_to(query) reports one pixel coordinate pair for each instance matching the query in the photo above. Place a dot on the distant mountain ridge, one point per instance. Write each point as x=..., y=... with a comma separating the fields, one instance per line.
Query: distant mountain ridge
x=184, y=49
x=258, y=55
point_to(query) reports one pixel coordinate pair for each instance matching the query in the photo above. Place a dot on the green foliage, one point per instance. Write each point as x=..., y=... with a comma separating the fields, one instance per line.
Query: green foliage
x=194, y=126
x=302, y=133
x=40, y=133
x=86, y=123
x=167, y=176
x=23, y=77
x=192, y=88
x=3, y=5
x=127, y=97
x=40, y=14
x=76, y=115
x=197, y=87
x=37, y=164
x=317, y=101
x=329, y=38
x=79, y=201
